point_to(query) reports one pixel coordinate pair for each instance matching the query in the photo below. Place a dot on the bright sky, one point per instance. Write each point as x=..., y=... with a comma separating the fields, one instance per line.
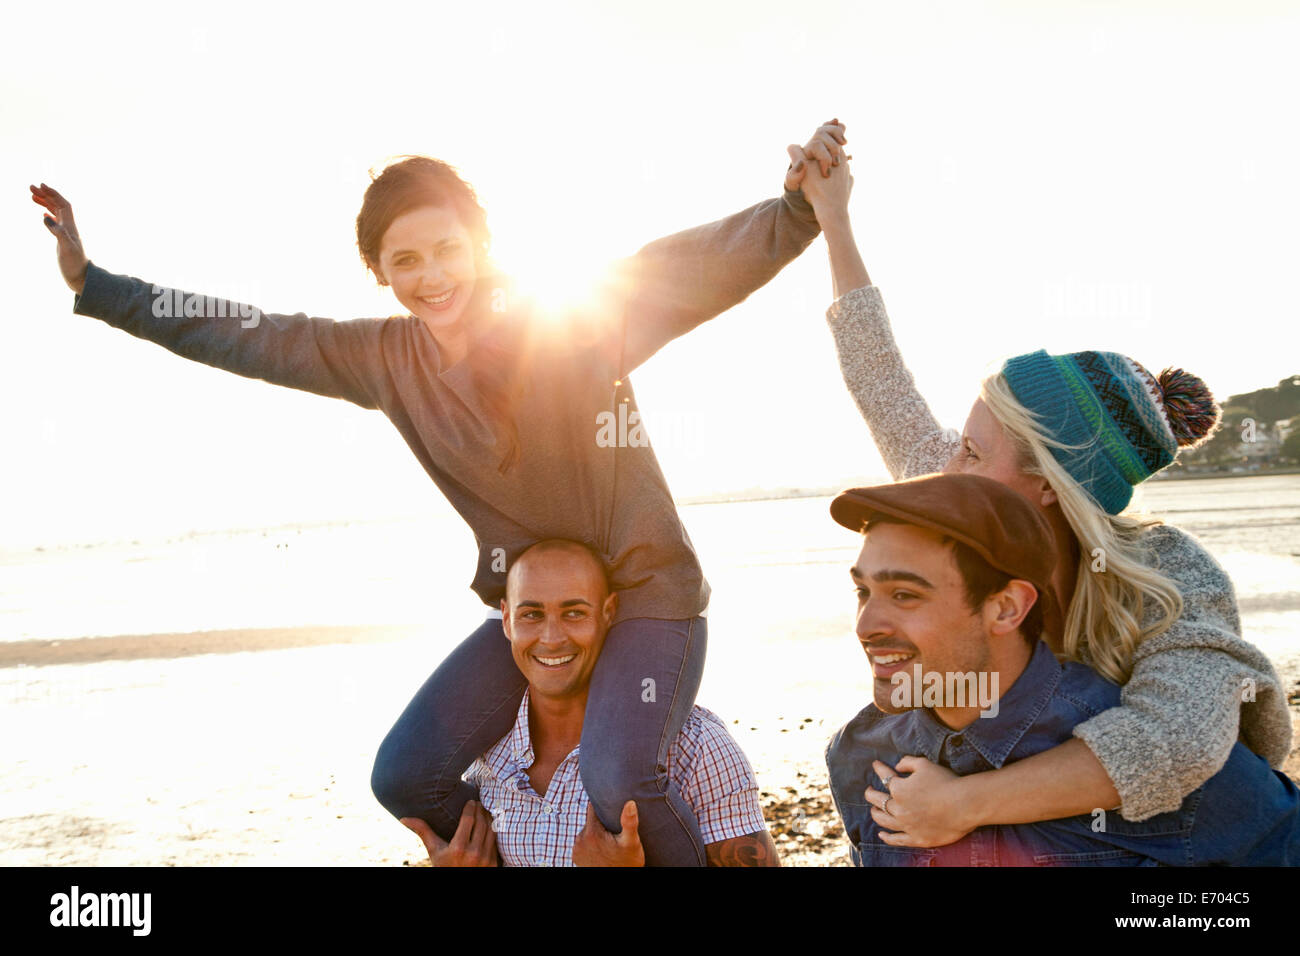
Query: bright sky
x=1102, y=175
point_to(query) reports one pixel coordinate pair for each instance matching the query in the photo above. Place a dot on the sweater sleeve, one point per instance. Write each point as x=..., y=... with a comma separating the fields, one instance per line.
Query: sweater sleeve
x=334, y=359
x=676, y=283
x=1194, y=690
x=906, y=433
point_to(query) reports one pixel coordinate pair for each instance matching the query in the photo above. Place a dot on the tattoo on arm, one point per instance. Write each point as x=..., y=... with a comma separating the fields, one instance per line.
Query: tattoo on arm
x=752, y=849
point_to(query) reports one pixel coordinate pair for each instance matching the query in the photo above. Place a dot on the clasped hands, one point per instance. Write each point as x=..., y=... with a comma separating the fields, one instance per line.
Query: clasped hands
x=828, y=188
x=475, y=842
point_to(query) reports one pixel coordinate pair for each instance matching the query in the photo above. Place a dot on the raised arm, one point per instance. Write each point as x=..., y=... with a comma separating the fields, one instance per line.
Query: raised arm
x=676, y=283
x=683, y=280
x=906, y=433
x=335, y=359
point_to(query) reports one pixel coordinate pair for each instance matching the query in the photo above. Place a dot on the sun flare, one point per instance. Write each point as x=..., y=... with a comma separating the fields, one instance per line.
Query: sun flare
x=561, y=280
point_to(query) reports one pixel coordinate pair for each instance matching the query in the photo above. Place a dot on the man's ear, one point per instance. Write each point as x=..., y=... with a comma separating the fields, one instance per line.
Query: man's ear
x=611, y=606
x=505, y=620
x=1005, y=611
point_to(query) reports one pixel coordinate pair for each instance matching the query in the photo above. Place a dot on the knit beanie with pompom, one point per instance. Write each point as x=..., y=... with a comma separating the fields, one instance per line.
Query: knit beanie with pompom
x=1121, y=423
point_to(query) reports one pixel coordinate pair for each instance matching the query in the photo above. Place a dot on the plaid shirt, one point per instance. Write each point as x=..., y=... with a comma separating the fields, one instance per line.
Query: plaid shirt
x=707, y=766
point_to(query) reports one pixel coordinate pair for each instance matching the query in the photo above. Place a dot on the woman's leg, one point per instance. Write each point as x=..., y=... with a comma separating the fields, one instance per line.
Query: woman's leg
x=468, y=704
x=642, y=691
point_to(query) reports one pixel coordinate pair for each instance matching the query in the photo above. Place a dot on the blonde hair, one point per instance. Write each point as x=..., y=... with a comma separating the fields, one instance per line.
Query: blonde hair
x=1103, y=624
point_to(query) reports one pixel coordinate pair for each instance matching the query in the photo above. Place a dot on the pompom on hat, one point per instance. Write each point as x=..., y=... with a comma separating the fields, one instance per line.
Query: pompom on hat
x=1121, y=424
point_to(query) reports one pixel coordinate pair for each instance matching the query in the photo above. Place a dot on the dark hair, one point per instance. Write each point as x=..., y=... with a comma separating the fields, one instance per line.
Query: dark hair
x=495, y=357
x=411, y=183
x=979, y=578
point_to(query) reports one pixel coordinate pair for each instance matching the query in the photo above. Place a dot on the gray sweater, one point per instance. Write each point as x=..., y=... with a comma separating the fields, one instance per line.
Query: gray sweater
x=570, y=481
x=1182, y=709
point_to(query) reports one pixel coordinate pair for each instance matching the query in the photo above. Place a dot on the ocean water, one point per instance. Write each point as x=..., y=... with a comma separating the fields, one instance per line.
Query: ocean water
x=783, y=608
x=264, y=757
x=398, y=571
x=780, y=618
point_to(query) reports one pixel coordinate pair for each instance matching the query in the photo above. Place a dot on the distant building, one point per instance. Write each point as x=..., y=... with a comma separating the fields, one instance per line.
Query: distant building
x=1265, y=448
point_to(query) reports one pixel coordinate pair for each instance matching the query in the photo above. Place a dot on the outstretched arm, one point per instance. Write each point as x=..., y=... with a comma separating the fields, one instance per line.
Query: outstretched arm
x=335, y=359
x=676, y=283
x=820, y=170
x=929, y=805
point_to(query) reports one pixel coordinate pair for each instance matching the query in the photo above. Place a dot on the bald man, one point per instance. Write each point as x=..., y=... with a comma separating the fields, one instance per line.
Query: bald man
x=532, y=808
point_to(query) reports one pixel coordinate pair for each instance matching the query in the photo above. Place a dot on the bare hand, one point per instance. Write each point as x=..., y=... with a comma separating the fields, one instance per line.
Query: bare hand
x=596, y=846
x=829, y=197
x=72, y=258
x=925, y=808
x=473, y=844
x=826, y=148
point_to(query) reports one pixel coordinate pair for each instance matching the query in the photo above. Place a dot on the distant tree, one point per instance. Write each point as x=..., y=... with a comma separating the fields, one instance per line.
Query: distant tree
x=1291, y=447
x=1275, y=404
x=1263, y=406
x=1222, y=446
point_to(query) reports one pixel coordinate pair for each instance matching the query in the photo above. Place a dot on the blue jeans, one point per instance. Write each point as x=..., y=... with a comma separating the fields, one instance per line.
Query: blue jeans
x=642, y=690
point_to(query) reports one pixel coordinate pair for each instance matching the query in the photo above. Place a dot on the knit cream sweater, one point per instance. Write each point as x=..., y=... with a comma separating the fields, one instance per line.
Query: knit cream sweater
x=1182, y=709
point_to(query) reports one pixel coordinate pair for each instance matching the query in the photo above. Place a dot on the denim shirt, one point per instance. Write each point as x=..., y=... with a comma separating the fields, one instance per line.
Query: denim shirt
x=1246, y=815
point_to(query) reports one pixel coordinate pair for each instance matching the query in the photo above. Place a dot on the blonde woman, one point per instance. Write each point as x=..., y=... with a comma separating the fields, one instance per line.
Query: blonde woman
x=1146, y=605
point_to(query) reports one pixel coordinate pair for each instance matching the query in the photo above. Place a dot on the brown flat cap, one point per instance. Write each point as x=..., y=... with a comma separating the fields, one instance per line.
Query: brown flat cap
x=994, y=521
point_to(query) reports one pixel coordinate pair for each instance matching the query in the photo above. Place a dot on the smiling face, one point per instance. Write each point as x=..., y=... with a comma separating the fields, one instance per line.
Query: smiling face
x=556, y=613
x=427, y=256
x=987, y=450
x=912, y=608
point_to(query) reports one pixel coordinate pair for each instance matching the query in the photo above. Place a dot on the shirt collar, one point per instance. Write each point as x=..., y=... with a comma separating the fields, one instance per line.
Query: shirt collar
x=1018, y=708
x=514, y=751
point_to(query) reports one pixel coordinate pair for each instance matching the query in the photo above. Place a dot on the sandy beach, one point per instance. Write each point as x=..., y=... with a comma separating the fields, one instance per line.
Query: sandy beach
x=136, y=785
x=237, y=745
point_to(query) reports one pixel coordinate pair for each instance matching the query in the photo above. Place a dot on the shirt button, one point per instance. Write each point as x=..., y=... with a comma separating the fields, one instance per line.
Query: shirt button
x=548, y=809
x=956, y=740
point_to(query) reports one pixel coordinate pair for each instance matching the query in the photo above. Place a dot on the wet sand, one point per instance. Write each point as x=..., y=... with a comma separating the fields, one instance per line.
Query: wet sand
x=127, y=757
x=130, y=647
x=153, y=750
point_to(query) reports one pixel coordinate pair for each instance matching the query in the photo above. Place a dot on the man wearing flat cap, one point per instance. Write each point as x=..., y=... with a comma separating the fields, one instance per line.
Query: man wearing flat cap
x=956, y=615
